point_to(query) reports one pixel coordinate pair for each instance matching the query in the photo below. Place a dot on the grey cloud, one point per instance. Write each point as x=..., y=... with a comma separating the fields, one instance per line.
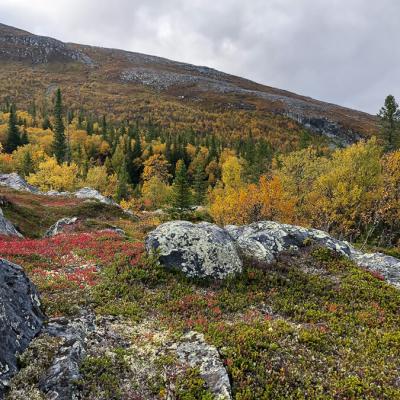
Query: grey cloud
x=341, y=51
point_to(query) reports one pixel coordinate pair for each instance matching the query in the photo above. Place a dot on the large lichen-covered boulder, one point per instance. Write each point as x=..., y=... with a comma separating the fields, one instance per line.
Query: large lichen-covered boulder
x=14, y=181
x=6, y=227
x=264, y=241
x=199, y=250
x=20, y=318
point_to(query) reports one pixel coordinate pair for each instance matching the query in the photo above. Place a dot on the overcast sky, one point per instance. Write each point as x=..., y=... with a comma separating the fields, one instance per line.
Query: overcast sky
x=341, y=51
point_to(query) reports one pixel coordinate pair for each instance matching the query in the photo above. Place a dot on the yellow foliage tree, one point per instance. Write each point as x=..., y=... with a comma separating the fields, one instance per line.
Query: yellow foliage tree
x=156, y=166
x=232, y=172
x=155, y=192
x=52, y=176
x=250, y=203
x=344, y=198
x=97, y=178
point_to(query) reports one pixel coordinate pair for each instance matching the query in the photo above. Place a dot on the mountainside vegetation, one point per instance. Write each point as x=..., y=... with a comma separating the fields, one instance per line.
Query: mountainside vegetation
x=352, y=192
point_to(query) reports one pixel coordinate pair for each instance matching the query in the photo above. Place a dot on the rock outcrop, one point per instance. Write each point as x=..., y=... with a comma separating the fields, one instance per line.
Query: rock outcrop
x=14, y=181
x=60, y=381
x=59, y=226
x=20, y=318
x=265, y=240
x=89, y=193
x=6, y=227
x=202, y=250
x=387, y=266
x=194, y=351
x=207, y=250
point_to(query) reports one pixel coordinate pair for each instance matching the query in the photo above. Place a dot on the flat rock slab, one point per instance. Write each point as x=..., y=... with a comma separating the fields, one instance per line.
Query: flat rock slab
x=199, y=250
x=20, y=318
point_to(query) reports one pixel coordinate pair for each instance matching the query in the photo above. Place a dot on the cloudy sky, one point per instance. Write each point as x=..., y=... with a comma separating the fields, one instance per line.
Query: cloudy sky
x=341, y=51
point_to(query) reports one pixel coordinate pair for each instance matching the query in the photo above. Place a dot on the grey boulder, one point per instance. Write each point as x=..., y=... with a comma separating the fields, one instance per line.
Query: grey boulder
x=6, y=227
x=89, y=193
x=264, y=241
x=199, y=250
x=14, y=181
x=20, y=318
x=387, y=266
x=59, y=226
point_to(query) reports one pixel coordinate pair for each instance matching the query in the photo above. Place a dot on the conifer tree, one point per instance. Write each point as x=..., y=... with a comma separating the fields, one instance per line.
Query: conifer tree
x=181, y=196
x=27, y=164
x=59, y=141
x=13, y=138
x=199, y=185
x=390, y=121
x=46, y=124
x=122, y=187
x=24, y=137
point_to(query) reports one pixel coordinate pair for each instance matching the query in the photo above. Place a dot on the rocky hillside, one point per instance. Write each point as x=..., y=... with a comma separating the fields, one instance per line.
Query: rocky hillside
x=115, y=306
x=131, y=84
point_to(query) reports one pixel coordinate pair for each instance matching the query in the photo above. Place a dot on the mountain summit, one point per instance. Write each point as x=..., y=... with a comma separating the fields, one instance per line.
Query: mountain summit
x=119, y=79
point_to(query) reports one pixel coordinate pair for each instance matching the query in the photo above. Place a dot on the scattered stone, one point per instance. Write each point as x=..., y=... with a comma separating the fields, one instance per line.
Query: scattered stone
x=202, y=250
x=89, y=193
x=6, y=227
x=194, y=351
x=387, y=266
x=115, y=229
x=20, y=318
x=14, y=181
x=57, y=193
x=59, y=226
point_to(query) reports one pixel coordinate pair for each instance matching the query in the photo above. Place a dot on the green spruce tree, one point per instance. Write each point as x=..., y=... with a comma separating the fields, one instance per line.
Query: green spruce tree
x=27, y=164
x=13, y=138
x=181, y=196
x=389, y=116
x=199, y=185
x=122, y=187
x=59, y=141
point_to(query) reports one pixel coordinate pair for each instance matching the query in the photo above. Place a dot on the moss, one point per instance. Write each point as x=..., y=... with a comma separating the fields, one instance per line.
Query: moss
x=33, y=364
x=102, y=376
x=191, y=386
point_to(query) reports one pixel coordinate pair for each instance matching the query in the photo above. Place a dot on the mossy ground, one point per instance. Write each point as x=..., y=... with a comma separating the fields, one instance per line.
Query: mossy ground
x=310, y=326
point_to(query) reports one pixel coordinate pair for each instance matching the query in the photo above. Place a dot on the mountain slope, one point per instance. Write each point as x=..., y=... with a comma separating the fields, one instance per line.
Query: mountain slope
x=124, y=83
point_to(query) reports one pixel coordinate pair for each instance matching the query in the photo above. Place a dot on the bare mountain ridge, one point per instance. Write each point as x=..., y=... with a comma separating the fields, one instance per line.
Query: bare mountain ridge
x=47, y=57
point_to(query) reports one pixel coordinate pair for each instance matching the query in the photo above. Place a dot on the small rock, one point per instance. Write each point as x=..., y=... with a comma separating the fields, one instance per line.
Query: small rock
x=6, y=227
x=194, y=351
x=89, y=193
x=198, y=250
x=59, y=226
